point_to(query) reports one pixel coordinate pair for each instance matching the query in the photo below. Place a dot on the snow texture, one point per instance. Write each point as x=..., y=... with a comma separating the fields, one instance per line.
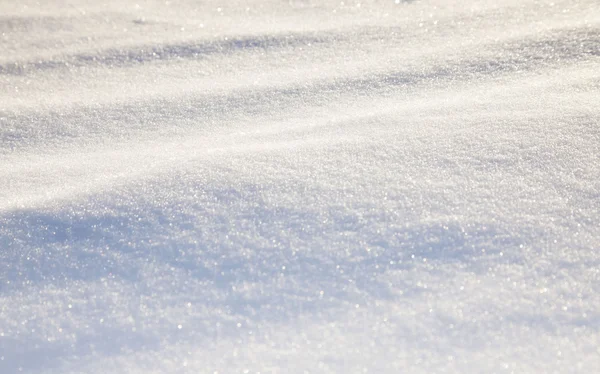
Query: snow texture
x=299, y=186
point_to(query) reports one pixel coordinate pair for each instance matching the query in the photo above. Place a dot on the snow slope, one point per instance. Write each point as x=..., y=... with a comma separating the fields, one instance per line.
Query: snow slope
x=299, y=186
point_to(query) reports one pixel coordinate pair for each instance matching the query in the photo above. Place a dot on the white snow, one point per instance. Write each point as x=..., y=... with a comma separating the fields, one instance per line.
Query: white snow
x=299, y=186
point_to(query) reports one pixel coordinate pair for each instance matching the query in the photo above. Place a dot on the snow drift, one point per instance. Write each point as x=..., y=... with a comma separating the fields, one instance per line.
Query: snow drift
x=299, y=186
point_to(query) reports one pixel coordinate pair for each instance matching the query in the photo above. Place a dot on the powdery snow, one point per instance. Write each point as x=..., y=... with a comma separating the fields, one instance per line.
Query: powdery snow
x=299, y=186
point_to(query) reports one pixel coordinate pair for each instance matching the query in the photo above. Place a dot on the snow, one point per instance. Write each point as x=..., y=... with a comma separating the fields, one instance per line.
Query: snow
x=299, y=186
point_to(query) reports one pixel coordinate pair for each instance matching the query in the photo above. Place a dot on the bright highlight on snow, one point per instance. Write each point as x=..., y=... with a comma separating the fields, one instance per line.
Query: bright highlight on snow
x=273, y=186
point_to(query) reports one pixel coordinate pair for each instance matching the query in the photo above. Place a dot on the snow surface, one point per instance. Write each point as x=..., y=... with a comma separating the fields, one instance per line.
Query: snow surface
x=299, y=186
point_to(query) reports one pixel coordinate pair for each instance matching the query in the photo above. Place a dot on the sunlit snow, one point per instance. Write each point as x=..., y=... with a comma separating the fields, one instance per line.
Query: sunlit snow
x=302, y=186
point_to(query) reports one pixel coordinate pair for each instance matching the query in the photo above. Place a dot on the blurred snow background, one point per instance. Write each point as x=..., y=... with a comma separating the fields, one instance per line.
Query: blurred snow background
x=299, y=186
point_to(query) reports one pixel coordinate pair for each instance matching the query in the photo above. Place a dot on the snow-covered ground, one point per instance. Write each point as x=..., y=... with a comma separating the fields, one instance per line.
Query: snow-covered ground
x=299, y=186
